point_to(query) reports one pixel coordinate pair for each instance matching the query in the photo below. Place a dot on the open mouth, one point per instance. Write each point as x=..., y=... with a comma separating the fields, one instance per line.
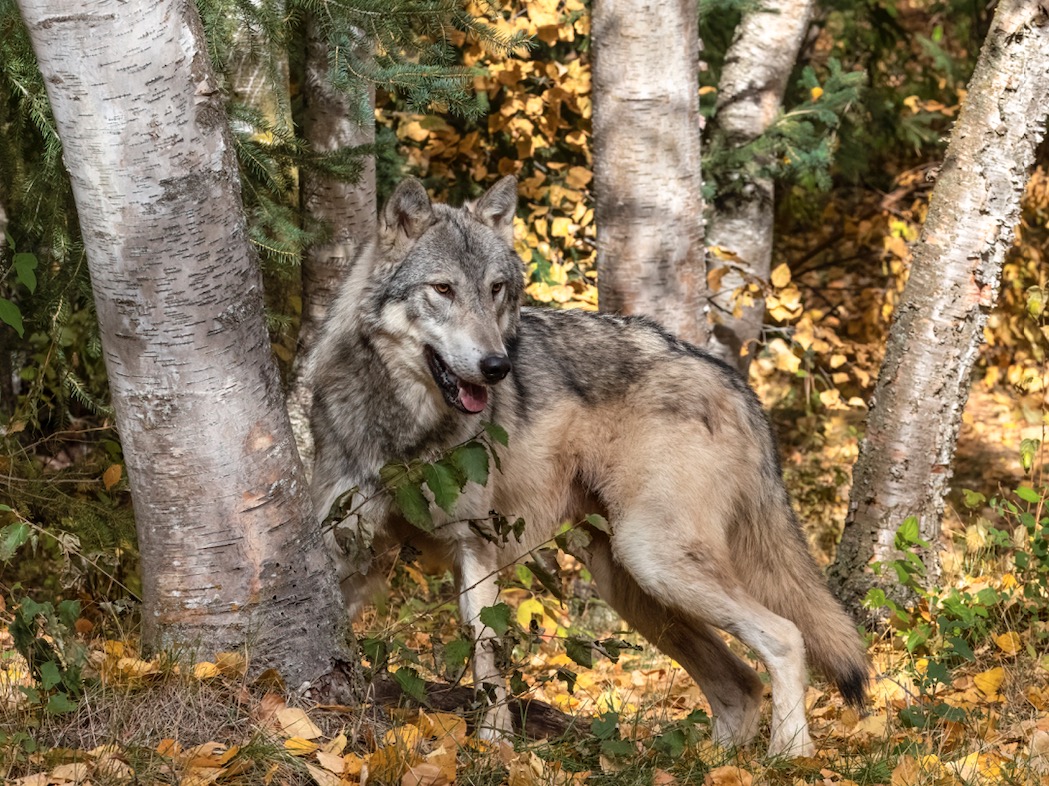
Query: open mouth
x=464, y=396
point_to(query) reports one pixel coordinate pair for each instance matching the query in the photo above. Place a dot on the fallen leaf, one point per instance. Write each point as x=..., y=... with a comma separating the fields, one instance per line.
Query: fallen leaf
x=728, y=776
x=423, y=774
x=988, y=682
x=294, y=722
x=297, y=746
x=1009, y=643
x=322, y=777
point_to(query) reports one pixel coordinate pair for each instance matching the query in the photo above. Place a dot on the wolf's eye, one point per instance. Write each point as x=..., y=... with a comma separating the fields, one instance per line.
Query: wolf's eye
x=496, y=289
x=443, y=289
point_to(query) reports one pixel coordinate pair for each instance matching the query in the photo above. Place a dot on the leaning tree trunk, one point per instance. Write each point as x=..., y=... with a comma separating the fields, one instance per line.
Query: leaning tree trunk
x=329, y=123
x=229, y=551
x=905, y=459
x=647, y=185
x=750, y=93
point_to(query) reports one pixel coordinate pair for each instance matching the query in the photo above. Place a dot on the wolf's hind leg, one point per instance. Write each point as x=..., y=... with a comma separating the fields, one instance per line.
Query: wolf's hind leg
x=696, y=579
x=731, y=686
x=476, y=573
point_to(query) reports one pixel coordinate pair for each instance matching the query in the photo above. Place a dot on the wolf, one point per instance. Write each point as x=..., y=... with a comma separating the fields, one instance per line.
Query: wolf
x=604, y=414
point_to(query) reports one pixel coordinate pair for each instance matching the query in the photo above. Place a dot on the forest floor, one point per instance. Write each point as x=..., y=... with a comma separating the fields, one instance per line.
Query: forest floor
x=959, y=691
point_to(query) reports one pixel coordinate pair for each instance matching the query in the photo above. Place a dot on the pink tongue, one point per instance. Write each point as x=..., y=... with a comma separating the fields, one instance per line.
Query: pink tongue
x=472, y=397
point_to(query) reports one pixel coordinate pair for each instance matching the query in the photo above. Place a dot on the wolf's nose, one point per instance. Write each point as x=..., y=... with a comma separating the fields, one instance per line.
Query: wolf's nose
x=495, y=367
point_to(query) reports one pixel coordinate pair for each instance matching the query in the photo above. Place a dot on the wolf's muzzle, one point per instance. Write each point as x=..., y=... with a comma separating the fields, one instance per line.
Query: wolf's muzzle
x=495, y=367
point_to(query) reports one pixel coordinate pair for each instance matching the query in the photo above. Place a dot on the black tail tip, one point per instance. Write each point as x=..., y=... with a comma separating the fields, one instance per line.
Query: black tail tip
x=853, y=687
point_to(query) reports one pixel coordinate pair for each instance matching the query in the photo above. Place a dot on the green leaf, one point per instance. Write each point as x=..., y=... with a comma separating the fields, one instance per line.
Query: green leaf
x=25, y=265
x=496, y=617
x=909, y=534
x=671, y=744
x=472, y=461
x=59, y=704
x=411, y=683
x=496, y=433
x=961, y=648
x=375, y=650
x=580, y=650
x=1028, y=450
x=1028, y=495
x=50, y=676
x=412, y=503
x=973, y=499
x=598, y=522
x=10, y=314
x=12, y=537
x=5, y=509
x=444, y=483
x=604, y=726
x=456, y=653
x=568, y=677
x=617, y=748
x=517, y=683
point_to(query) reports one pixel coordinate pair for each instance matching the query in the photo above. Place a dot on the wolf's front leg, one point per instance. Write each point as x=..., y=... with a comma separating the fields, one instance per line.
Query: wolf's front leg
x=477, y=568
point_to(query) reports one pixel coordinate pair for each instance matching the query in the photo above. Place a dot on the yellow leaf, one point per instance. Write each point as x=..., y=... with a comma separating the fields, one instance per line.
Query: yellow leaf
x=1009, y=643
x=578, y=177
x=232, y=664
x=297, y=746
x=528, y=609
x=331, y=762
x=444, y=759
x=322, y=777
x=205, y=671
x=112, y=476
x=443, y=725
x=780, y=276
x=988, y=682
x=728, y=776
x=294, y=722
x=423, y=774
x=74, y=773
x=906, y=773
x=783, y=357
x=136, y=667
x=335, y=745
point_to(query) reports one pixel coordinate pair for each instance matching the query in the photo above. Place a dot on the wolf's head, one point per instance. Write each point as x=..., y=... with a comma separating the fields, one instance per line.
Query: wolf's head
x=446, y=287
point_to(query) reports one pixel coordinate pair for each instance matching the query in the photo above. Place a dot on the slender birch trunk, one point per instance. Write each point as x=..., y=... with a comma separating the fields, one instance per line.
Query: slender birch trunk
x=750, y=96
x=329, y=123
x=647, y=184
x=230, y=554
x=904, y=465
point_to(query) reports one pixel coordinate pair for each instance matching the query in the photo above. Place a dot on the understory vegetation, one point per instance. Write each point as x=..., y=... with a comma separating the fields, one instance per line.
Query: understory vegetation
x=960, y=677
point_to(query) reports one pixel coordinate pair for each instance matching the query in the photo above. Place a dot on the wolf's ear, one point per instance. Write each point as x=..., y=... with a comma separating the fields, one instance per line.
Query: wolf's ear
x=408, y=211
x=497, y=207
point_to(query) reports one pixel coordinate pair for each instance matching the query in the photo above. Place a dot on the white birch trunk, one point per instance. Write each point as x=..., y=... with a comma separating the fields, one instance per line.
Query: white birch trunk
x=647, y=184
x=750, y=95
x=904, y=467
x=230, y=555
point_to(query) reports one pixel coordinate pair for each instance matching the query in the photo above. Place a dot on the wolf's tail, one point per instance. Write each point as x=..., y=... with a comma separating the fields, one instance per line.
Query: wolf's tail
x=778, y=570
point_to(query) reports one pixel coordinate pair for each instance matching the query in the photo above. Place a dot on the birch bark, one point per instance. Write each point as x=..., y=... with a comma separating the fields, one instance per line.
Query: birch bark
x=904, y=466
x=230, y=554
x=750, y=95
x=647, y=184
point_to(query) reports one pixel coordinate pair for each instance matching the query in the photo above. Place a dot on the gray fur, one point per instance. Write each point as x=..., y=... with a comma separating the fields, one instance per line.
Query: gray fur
x=604, y=414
